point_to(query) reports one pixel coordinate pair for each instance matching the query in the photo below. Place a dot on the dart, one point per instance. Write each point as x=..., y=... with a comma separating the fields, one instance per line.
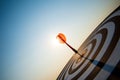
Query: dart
x=62, y=39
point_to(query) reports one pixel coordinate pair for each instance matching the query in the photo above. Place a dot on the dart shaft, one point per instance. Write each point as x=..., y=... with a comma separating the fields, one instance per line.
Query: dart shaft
x=71, y=48
x=76, y=51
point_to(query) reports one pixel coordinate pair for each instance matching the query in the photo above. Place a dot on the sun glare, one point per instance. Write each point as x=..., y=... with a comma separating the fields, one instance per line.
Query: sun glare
x=55, y=42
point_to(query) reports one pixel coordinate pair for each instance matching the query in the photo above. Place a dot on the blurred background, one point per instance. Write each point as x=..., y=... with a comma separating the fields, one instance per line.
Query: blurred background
x=28, y=29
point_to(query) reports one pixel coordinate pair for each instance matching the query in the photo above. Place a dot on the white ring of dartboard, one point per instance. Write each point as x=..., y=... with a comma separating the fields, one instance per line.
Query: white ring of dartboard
x=99, y=47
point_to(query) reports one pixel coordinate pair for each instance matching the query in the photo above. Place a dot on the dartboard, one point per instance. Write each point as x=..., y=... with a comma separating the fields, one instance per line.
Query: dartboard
x=102, y=48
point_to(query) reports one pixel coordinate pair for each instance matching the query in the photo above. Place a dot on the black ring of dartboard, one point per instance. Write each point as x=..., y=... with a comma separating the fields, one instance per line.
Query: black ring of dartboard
x=110, y=48
x=106, y=55
x=66, y=67
x=103, y=32
x=73, y=70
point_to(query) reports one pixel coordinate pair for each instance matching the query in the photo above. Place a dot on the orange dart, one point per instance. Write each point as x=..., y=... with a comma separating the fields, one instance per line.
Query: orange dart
x=62, y=39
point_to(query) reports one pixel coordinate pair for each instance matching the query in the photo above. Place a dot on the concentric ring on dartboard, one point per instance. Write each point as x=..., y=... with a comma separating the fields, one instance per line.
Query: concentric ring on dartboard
x=93, y=41
x=107, y=52
x=79, y=58
x=97, y=39
x=66, y=67
x=109, y=46
x=103, y=32
x=91, y=49
x=88, y=67
x=72, y=60
x=73, y=69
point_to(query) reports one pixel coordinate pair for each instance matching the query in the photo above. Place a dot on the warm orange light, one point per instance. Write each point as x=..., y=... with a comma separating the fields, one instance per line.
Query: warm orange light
x=61, y=38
